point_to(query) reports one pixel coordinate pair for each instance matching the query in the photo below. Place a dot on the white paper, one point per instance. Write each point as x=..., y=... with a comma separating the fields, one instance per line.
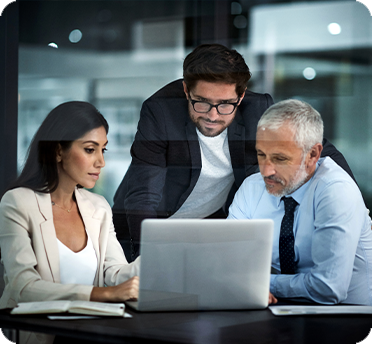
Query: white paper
x=78, y=317
x=313, y=310
x=71, y=317
x=41, y=307
x=79, y=307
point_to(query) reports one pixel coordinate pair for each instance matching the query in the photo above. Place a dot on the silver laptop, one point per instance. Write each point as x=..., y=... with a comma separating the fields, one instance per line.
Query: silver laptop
x=202, y=264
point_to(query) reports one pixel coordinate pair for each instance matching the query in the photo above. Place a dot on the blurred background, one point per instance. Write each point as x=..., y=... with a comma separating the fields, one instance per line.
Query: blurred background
x=115, y=54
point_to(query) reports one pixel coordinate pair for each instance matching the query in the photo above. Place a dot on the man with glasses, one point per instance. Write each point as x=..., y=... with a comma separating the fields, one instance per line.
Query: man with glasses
x=195, y=144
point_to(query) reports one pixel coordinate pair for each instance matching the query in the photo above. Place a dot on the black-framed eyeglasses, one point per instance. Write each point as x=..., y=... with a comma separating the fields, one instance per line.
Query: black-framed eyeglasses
x=222, y=108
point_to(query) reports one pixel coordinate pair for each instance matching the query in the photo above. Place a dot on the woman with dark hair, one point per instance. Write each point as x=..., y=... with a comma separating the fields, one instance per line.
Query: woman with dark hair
x=57, y=239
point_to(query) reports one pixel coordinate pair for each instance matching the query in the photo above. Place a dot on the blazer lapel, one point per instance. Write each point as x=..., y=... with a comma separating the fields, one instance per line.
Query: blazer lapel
x=92, y=224
x=192, y=138
x=236, y=137
x=196, y=163
x=48, y=233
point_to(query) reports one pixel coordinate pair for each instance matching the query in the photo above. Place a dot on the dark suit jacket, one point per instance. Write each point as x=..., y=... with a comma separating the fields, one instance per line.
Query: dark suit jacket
x=166, y=160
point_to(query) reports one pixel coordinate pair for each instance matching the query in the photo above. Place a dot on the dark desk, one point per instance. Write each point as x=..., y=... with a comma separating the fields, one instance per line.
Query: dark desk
x=203, y=327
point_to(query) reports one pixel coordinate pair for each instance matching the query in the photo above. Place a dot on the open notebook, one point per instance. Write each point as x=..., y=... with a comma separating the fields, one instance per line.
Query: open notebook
x=202, y=264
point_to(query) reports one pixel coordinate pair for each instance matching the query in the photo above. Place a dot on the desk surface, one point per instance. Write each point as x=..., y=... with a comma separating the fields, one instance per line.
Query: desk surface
x=203, y=327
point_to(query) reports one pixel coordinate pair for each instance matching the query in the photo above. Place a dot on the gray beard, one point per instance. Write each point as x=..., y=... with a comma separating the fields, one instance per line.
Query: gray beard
x=298, y=180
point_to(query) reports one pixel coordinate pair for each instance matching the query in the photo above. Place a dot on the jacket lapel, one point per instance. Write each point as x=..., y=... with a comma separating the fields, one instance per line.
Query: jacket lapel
x=48, y=233
x=91, y=219
x=196, y=163
x=236, y=137
x=192, y=139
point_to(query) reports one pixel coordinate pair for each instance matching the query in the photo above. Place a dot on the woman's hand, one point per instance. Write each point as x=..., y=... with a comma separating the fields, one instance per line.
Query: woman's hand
x=127, y=290
x=272, y=299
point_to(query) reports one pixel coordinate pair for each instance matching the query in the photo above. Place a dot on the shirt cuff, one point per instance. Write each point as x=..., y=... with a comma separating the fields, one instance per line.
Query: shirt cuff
x=273, y=284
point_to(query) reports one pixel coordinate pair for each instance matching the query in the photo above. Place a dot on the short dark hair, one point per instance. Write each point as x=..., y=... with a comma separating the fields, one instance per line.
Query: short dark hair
x=216, y=63
x=64, y=124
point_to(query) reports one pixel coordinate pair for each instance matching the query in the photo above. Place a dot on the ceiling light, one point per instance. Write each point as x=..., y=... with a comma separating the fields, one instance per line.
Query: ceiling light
x=334, y=29
x=75, y=36
x=236, y=8
x=309, y=73
x=240, y=22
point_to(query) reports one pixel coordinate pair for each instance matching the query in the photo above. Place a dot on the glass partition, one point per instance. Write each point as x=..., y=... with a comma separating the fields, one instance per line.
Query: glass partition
x=115, y=54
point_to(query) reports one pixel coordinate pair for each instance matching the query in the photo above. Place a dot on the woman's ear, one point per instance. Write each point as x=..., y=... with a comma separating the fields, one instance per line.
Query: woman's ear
x=59, y=153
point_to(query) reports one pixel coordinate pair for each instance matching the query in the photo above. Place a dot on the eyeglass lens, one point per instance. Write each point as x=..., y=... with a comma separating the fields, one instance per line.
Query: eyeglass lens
x=224, y=109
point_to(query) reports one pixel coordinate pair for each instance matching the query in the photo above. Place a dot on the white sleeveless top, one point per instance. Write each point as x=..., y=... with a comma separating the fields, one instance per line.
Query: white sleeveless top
x=77, y=267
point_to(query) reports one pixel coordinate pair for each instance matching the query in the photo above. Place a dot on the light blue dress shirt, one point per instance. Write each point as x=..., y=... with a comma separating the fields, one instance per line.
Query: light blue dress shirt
x=333, y=237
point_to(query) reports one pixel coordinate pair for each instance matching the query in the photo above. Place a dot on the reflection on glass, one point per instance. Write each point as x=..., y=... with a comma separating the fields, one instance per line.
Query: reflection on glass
x=240, y=22
x=334, y=29
x=53, y=45
x=309, y=73
x=75, y=36
x=133, y=48
x=236, y=8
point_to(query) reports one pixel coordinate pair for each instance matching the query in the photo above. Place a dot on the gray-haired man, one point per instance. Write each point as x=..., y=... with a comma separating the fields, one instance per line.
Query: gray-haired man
x=322, y=233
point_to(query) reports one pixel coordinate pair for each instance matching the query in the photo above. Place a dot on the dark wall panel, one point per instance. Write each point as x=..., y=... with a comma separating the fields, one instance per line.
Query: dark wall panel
x=8, y=94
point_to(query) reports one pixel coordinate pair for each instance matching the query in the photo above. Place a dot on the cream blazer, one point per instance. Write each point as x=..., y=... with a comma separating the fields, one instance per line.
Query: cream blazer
x=29, y=250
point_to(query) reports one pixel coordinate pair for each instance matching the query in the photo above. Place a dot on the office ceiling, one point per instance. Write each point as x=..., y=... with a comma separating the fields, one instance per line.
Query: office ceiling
x=107, y=25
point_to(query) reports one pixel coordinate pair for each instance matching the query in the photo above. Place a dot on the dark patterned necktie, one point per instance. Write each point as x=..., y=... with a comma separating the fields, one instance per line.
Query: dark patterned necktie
x=286, y=239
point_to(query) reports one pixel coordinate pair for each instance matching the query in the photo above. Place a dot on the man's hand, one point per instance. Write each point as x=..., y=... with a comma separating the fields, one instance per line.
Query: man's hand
x=272, y=299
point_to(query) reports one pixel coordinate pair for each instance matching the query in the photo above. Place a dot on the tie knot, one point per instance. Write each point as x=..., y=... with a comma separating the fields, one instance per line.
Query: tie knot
x=289, y=204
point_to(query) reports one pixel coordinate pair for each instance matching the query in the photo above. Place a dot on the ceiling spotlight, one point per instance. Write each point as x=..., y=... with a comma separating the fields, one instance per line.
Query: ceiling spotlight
x=75, y=36
x=334, y=29
x=309, y=73
x=236, y=8
x=53, y=45
x=240, y=22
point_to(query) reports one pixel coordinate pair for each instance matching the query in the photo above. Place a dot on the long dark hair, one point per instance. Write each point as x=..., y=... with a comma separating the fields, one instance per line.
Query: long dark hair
x=63, y=125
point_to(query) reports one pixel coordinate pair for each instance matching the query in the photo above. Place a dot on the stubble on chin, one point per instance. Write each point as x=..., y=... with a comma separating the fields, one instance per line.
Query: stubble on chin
x=280, y=193
x=209, y=132
x=299, y=179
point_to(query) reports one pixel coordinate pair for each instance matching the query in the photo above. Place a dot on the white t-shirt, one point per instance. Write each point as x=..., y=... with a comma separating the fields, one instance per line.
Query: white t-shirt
x=77, y=267
x=215, y=180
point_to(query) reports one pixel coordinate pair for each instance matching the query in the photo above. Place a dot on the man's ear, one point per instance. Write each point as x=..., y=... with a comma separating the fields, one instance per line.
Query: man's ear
x=242, y=96
x=185, y=90
x=314, y=154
